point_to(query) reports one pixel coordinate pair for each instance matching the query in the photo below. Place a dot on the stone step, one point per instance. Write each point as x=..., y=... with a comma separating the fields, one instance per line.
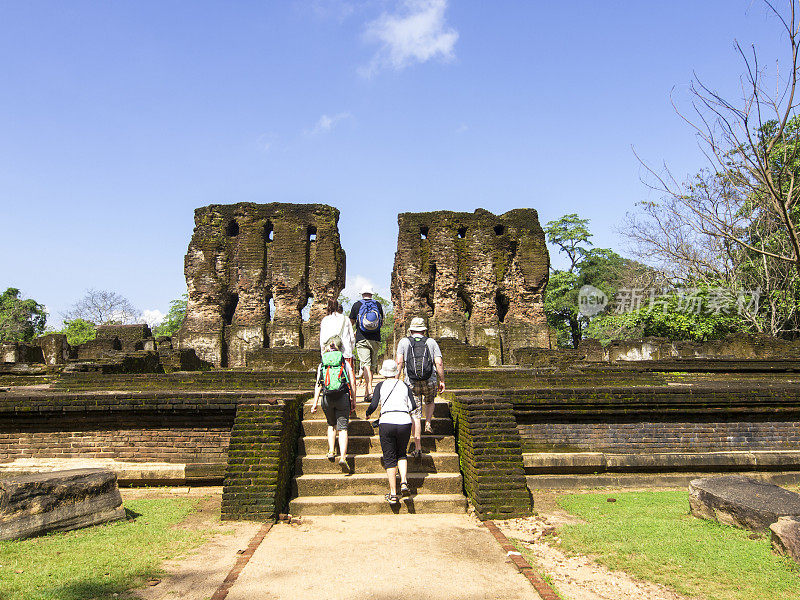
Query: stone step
x=435, y=462
x=358, y=444
x=366, y=484
x=441, y=409
x=377, y=505
x=363, y=427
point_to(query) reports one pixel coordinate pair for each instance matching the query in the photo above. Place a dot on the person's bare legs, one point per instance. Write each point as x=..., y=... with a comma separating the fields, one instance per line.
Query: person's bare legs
x=429, y=415
x=367, y=382
x=391, y=473
x=343, y=445
x=331, y=439
x=417, y=432
x=402, y=466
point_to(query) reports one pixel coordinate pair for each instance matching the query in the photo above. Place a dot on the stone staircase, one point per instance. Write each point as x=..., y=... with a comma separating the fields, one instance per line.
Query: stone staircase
x=321, y=488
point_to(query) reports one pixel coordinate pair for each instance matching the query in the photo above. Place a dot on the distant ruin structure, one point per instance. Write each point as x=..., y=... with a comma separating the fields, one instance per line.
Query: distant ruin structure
x=252, y=270
x=476, y=277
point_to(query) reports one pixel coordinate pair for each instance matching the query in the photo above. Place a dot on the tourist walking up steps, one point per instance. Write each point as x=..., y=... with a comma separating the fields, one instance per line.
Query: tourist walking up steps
x=420, y=359
x=397, y=403
x=367, y=318
x=335, y=325
x=335, y=386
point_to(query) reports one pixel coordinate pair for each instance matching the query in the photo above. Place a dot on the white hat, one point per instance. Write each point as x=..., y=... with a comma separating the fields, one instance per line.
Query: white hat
x=389, y=368
x=367, y=289
x=417, y=324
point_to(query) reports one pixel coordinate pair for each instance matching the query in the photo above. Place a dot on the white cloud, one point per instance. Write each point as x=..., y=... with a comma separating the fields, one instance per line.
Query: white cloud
x=153, y=317
x=353, y=285
x=462, y=128
x=419, y=34
x=326, y=123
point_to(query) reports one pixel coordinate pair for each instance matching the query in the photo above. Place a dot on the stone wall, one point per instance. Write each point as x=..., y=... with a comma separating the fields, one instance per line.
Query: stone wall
x=476, y=277
x=490, y=456
x=245, y=257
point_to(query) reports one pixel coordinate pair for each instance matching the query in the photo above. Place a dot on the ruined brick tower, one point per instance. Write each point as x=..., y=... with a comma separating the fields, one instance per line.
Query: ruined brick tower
x=476, y=277
x=245, y=257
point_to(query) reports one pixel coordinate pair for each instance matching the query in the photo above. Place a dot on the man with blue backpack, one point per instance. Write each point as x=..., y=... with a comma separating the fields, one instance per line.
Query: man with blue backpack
x=367, y=318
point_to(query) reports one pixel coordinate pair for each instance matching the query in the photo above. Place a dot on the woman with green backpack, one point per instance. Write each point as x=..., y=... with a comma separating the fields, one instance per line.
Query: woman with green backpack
x=335, y=385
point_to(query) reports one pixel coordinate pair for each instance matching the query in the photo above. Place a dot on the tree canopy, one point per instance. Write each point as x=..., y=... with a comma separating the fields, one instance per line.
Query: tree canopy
x=20, y=320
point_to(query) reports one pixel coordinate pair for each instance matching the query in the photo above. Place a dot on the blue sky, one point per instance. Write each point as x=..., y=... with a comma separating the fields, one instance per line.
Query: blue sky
x=117, y=119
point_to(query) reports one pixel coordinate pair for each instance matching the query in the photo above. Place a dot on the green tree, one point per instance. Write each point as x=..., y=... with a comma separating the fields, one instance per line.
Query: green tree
x=387, y=329
x=174, y=319
x=20, y=320
x=78, y=331
x=571, y=235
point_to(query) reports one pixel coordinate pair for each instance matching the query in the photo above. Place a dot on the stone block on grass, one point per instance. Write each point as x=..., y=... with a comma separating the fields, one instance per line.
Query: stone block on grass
x=32, y=505
x=741, y=502
x=786, y=537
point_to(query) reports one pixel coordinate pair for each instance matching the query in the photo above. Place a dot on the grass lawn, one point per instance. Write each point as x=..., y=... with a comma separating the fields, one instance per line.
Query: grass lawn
x=652, y=536
x=98, y=561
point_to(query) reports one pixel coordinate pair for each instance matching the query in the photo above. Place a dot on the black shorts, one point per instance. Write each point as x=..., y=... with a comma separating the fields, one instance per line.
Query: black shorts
x=336, y=406
x=394, y=441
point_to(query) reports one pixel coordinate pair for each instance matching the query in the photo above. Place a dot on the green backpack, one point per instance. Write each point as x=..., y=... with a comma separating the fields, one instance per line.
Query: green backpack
x=334, y=375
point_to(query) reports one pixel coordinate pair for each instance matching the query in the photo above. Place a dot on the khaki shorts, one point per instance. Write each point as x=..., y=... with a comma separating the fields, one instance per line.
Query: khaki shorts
x=424, y=392
x=367, y=353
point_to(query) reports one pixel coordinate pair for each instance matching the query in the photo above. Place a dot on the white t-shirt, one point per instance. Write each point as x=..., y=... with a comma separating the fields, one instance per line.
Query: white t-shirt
x=396, y=401
x=337, y=324
x=433, y=348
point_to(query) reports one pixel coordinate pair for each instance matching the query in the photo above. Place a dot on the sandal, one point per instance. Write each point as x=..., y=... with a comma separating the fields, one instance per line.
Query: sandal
x=404, y=489
x=392, y=498
x=416, y=454
x=330, y=455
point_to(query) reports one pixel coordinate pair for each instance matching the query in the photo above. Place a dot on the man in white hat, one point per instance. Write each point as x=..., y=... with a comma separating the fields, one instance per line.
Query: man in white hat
x=367, y=318
x=419, y=359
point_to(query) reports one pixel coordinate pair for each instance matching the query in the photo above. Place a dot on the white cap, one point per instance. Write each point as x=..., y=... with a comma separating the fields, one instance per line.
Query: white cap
x=367, y=289
x=389, y=368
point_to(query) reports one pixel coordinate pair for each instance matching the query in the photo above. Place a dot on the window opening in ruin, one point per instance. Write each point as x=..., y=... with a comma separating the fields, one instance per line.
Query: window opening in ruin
x=423, y=233
x=312, y=233
x=268, y=232
x=501, y=300
x=462, y=232
x=232, y=230
x=305, y=312
x=230, y=308
x=270, y=309
x=499, y=229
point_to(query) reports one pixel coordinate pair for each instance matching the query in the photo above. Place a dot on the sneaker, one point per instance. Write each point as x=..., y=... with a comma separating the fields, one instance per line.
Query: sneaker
x=392, y=498
x=404, y=489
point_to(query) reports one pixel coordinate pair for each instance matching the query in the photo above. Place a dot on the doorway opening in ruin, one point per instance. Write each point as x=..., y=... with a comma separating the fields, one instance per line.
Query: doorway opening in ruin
x=499, y=229
x=423, y=232
x=466, y=303
x=462, y=232
x=502, y=302
x=312, y=233
x=229, y=309
x=232, y=230
x=223, y=351
x=305, y=312
x=268, y=232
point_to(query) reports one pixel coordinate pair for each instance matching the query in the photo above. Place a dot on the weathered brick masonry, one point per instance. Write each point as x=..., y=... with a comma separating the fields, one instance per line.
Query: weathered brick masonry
x=490, y=455
x=260, y=459
x=701, y=418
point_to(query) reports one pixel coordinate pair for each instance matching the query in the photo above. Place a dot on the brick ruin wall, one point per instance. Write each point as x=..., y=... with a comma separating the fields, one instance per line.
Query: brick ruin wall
x=476, y=277
x=244, y=258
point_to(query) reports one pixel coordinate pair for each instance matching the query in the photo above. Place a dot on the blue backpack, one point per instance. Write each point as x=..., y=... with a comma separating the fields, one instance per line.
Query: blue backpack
x=369, y=317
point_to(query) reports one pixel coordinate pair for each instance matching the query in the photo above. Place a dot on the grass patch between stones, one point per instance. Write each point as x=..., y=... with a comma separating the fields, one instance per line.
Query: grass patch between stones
x=652, y=536
x=99, y=561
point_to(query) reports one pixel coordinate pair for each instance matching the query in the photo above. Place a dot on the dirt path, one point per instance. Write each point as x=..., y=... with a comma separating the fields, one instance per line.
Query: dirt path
x=420, y=557
x=198, y=575
x=575, y=577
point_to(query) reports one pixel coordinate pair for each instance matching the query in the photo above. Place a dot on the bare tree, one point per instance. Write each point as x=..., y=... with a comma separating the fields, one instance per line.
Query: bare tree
x=102, y=307
x=736, y=222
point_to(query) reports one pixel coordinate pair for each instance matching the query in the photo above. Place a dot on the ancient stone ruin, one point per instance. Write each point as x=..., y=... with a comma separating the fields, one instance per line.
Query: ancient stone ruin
x=476, y=277
x=245, y=258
